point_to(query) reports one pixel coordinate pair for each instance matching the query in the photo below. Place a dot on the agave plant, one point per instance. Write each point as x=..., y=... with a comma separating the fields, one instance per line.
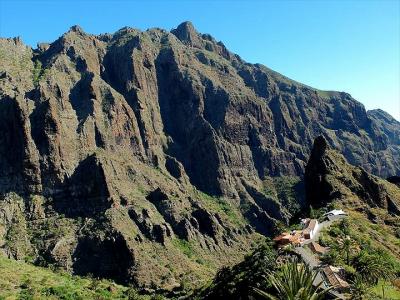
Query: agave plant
x=294, y=281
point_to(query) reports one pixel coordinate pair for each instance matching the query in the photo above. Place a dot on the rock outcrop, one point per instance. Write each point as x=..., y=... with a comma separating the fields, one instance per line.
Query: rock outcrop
x=151, y=148
x=330, y=177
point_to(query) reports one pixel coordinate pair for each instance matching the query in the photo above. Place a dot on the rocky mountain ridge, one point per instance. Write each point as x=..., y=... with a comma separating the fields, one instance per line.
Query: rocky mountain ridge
x=329, y=177
x=138, y=151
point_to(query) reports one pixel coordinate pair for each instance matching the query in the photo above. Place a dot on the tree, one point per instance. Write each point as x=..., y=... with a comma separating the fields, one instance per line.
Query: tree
x=373, y=266
x=344, y=226
x=347, y=247
x=294, y=282
x=238, y=281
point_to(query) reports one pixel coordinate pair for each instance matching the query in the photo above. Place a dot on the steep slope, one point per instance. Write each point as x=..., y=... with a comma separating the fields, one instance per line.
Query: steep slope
x=373, y=203
x=108, y=144
x=372, y=229
x=23, y=281
x=184, y=94
x=330, y=177
x=239, y=281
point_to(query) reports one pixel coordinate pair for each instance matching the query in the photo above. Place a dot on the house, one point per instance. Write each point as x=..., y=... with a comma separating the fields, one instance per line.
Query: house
x=288, y=238
x=335, y=212
x=333, y=279
x=317, y=248
x=339, y=271
x=311, y=229
x=304, y=222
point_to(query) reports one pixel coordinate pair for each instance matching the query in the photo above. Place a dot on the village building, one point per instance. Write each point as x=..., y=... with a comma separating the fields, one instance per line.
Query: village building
x=333, y=278
x=311, y=229
x=317, y=248
x=335, y=214
x=284, y=239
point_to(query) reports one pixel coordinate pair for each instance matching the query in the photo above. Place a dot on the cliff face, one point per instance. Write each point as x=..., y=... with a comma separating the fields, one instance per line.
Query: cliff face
x=181, y=94
x=329, y=177
x=117, y=136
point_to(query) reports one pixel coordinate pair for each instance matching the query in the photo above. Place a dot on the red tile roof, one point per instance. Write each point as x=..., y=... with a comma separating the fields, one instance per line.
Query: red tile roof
x=334, y=279
x=317, y=248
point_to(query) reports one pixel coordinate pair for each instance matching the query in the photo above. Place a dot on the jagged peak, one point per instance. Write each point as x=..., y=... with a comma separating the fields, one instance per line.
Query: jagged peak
x=15, y=40
x=186, y=33
x=73, y=32
x=186, y=26
x=382, y=115
x=320, y=146
x=77, y=29
x=127, y=29
x=42, y=47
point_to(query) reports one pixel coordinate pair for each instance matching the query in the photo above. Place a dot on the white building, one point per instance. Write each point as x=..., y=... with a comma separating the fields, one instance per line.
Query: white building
x=311, y=229
x=335, y=212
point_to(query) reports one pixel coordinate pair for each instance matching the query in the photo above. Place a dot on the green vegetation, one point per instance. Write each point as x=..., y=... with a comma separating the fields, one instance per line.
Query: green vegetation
x=366, y=262
x=38, y=72
x=184, y=246
x=223, y=207
x=385, y=290
x=293, y=281
x=237, y=282
x=360, y=290
x=325, y=94
x=20, y=280
x=317, y=213
x=288, y=190
x=15, y=236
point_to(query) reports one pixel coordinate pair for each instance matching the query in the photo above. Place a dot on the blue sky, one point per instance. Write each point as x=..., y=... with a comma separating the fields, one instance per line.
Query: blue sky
x=351, y=46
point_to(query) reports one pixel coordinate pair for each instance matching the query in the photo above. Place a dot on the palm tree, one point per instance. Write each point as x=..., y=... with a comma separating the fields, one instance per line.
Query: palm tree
x=373, y=267
x=347, y=245
x=294, y=282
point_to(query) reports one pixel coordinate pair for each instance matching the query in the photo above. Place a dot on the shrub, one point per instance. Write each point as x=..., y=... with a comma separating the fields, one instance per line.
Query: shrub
x=332, y=257
x=62, y=293
x=132, y=294
x=350, y=272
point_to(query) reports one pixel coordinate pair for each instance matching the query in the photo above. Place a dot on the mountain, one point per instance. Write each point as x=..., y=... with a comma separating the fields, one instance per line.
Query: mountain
x=372, y=227
x=373, y=203
x=151, y=157
x=329, y=177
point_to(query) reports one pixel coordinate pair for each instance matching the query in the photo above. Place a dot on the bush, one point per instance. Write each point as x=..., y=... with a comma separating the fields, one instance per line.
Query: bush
x=331, y=258
x=26, y=294
x=324, y=240
x=335, y=231
x=350, y=272
x=344, y=227
x=132, y=294
x=237, y=282
x=62, y=293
